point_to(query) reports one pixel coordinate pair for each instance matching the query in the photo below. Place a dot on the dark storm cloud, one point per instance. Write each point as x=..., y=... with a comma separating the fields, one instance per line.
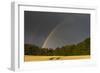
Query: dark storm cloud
x=38, y=26
x=73, y=30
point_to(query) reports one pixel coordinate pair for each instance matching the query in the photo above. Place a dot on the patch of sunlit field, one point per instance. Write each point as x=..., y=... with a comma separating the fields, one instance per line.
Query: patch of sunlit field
x=28, y=58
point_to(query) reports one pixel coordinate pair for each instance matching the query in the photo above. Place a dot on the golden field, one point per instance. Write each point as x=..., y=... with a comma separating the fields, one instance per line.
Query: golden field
x=28, y=58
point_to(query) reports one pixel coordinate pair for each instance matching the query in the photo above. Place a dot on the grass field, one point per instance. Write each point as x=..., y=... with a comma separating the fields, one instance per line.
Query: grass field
x=28, y=58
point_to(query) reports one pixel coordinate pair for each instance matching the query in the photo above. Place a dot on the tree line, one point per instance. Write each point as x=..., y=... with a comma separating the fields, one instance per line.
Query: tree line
x=82, y=48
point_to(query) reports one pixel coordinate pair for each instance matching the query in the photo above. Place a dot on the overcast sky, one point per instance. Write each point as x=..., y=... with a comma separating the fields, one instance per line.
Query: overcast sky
x=55, y=29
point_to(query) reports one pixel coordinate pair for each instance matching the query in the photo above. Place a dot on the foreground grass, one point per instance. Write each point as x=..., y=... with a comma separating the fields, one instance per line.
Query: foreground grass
x=45, y=58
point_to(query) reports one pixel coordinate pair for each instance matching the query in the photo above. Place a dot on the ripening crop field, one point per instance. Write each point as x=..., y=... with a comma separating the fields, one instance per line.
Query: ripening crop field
x=28, y=58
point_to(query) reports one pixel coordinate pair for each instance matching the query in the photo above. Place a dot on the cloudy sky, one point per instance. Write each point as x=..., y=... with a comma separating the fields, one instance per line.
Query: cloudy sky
x=51, y=30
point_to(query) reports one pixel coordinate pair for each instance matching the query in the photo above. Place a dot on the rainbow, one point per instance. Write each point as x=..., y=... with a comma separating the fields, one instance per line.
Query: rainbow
x=51, y=33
